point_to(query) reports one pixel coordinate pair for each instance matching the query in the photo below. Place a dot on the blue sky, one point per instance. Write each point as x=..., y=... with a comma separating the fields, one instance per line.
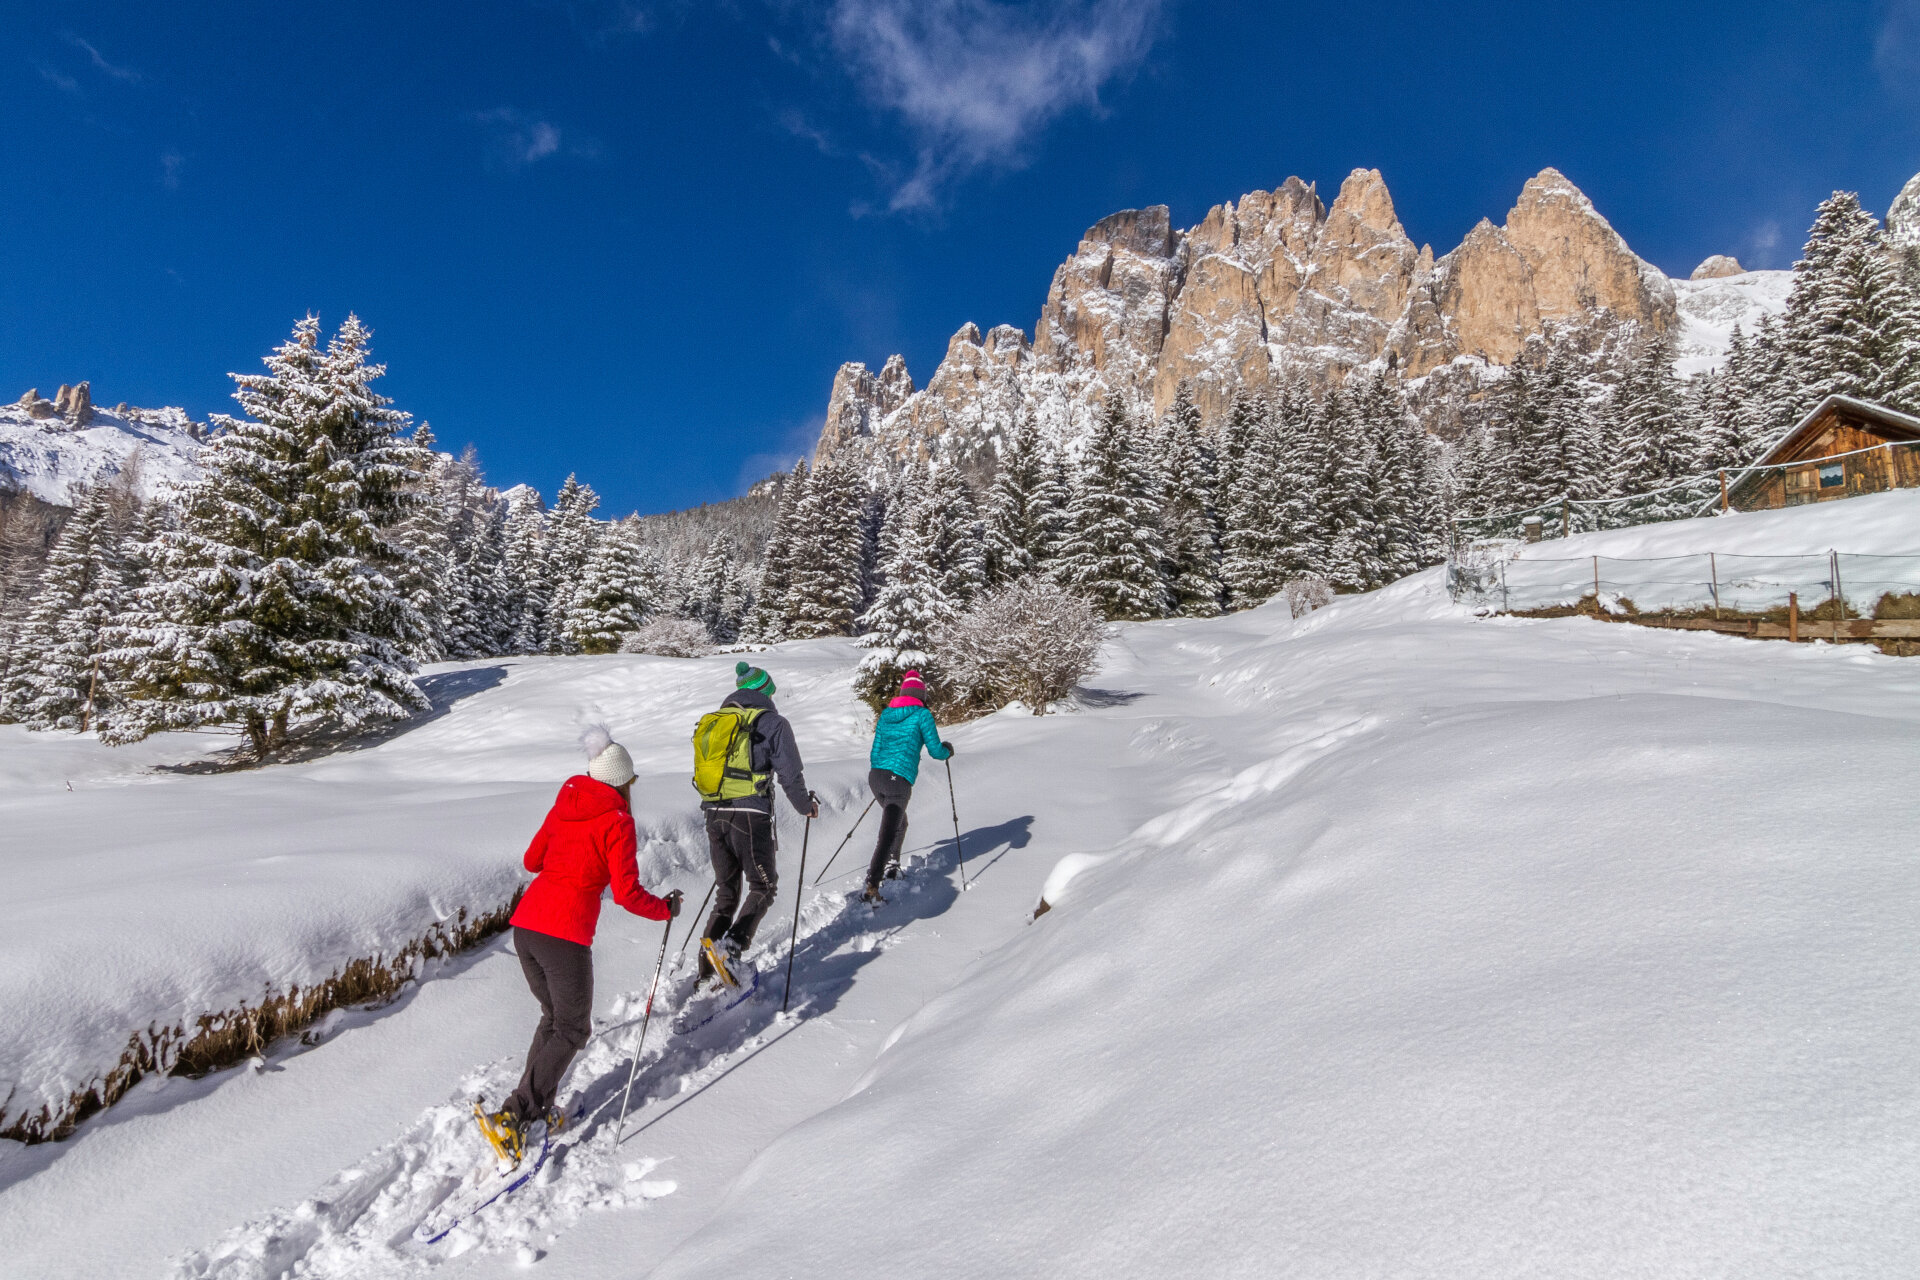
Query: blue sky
x=635, y=239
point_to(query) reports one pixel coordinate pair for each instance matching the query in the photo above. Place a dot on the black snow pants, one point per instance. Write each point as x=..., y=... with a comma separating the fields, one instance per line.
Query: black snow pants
x=893, y=792
x=741, y=842
x=561, y=976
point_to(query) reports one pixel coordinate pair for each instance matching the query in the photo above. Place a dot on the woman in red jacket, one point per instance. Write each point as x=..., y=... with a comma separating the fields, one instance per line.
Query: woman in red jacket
x=586, y=844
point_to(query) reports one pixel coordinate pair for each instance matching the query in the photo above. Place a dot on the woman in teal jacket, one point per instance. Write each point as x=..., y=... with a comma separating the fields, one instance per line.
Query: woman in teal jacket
x=905, y=726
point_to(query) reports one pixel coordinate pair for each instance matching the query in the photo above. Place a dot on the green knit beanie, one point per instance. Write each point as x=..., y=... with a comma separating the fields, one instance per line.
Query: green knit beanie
x=748, y=677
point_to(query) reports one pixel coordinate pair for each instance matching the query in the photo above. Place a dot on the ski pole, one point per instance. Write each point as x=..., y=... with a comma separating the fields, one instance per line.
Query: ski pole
x=692, y=925
x=626, y=1097
x=799, y=892
x=843, y=843
x=959, y=854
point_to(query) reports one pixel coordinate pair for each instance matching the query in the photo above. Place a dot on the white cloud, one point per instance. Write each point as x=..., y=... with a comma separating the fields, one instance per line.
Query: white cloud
x=58, y=79
x=101, y=65
x=974, y=80
x=171, y=163
x=520, y=139
x=1896, y=50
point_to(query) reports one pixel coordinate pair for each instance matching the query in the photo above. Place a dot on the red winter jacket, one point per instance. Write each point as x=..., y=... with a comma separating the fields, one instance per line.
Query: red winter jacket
x=585, y=844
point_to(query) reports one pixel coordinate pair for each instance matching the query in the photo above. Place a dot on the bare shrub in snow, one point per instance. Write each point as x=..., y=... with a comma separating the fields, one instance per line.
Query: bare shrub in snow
x=669, y=638
x=1030, y=641
x=1306, y=593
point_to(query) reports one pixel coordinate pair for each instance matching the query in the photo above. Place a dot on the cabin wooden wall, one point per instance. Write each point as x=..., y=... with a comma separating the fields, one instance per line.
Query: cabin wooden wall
x=1881, y=469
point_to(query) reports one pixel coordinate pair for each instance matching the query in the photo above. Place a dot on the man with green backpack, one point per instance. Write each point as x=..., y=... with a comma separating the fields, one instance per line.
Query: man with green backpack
x=738, y=752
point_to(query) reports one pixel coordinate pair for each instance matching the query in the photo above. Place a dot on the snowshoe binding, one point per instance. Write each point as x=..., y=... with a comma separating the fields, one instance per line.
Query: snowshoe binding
x=725, y=960
x=503, y=1132
x=893, y=868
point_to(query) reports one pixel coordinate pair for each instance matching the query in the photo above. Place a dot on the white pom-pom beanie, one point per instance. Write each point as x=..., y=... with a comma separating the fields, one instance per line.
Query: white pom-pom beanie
x=607, y=760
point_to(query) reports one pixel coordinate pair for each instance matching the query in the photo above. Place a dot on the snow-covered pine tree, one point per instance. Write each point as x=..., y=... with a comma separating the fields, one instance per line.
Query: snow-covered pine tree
x=571, y=534
x=52, y=680
x=1026, y=508
x=766, y=621
x=1406, y=524
x=718, y=590
x=1852, y=324
x=425, y=537
x=824, y=587
x=480, y=621
x=1189, y=522
x=1254, y=536
x=1114, y=555
x=1349, y=488
x=1653, y=435
x=618, y=590
x=899, y=630
x=526, y=573
x=951, y=535
x=270, y=605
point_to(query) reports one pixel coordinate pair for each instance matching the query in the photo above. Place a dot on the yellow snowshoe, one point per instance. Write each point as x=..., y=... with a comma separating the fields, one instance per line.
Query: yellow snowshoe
x=503, y=1133
x=721, y=958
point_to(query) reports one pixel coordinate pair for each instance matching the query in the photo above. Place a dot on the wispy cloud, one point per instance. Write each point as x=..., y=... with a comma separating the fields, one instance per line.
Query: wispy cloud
x=1896, y=50
x=520, y=139
x=975, y=80
x=58, y=79
x=100, y=64
x=171, y=163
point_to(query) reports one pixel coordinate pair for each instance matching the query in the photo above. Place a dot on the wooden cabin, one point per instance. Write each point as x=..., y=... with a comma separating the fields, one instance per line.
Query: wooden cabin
x=1843, y=448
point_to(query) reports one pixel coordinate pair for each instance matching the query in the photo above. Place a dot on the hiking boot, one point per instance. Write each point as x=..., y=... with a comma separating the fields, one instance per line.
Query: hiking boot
x=872, y=896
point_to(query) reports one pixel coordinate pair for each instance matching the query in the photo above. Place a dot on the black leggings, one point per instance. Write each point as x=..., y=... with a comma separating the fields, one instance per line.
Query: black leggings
x=560, y=974
x=893, y=792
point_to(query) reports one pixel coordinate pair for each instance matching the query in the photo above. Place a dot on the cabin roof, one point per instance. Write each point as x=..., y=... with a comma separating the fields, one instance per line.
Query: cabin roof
x=1894, y=424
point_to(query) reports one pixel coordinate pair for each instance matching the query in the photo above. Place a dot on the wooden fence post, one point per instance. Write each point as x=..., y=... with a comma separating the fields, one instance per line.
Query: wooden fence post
x=1793, y=615
x=1596, y=582
x=1725, y=506
x=1713, y=573
x=1839, y=601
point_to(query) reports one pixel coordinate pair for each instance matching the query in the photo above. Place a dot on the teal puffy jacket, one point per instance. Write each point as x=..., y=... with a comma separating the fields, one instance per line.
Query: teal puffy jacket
x=904, y=728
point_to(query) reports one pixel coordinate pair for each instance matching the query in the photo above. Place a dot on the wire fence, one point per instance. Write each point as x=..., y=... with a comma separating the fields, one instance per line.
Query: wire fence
x=1893, y=465
x=1722, y=582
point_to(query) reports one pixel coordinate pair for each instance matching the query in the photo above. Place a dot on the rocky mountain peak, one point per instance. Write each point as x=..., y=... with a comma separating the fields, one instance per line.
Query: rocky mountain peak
x=1273, y=284
x=1903, y=217
x=1718, y=267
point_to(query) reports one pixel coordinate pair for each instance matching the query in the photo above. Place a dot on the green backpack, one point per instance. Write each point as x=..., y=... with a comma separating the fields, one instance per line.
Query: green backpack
x=723, y=755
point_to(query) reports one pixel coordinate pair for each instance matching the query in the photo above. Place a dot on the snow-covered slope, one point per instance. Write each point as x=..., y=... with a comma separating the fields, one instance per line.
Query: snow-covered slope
x=52, y=459
x=1710, y=310
x=1390, y=941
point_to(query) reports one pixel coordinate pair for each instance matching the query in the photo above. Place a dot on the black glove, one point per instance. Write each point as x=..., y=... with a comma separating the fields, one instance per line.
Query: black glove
x=674, y=901
x=948, y=746
x=813, y=800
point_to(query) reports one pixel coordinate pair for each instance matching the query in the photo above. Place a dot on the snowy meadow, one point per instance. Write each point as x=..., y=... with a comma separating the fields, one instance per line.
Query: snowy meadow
x=1391, y=939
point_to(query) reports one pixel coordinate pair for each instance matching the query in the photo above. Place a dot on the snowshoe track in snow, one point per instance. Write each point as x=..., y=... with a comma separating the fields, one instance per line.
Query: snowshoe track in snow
x=367, y=1222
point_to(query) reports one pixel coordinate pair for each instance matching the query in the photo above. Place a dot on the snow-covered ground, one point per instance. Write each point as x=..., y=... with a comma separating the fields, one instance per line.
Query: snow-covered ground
x=1711, y=309
x=52, y=460
x=1391, y=941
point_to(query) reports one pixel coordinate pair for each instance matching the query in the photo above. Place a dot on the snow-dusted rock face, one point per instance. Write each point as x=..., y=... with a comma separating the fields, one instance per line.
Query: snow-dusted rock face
x=1711, y=307
x=1273, y=283
x=53, y=448
x=1717, y=267
x=1903, y=218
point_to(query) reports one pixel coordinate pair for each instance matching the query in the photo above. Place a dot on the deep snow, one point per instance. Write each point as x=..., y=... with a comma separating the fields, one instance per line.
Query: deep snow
x=1391, y=941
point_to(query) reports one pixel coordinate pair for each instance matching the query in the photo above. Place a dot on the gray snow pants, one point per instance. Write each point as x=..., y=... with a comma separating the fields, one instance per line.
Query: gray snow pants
x=561, y=976
x=741, y=841
x=893, y=792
